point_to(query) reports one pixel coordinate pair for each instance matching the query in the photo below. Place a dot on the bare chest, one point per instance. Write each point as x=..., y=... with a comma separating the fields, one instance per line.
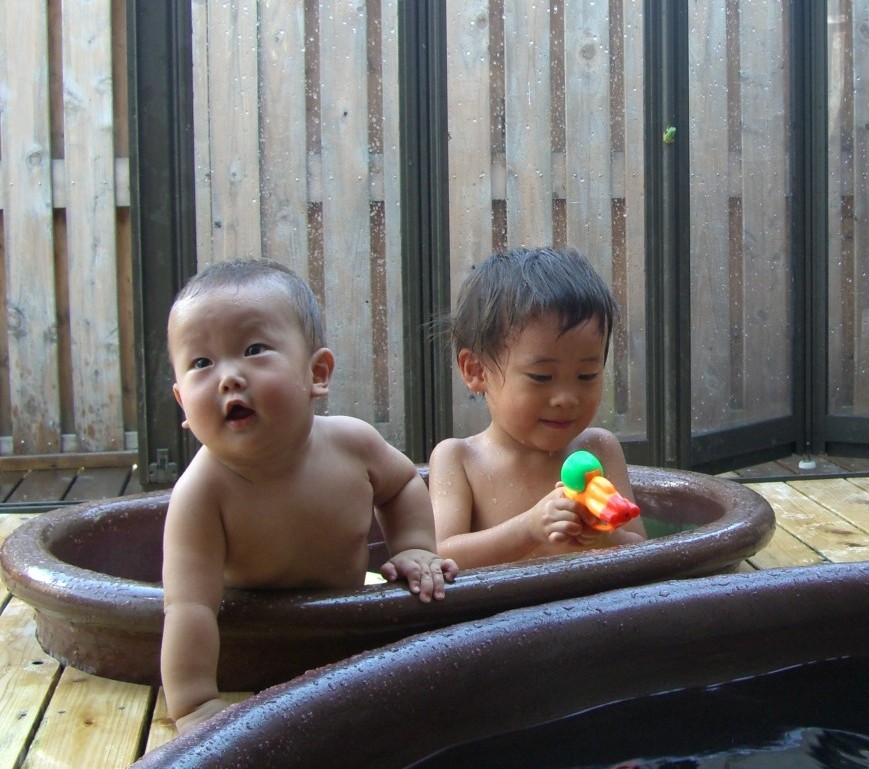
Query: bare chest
x=298, y=535
x=502, y=496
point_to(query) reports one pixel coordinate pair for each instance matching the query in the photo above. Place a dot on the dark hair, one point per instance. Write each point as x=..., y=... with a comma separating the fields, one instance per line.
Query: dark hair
x=509, y=289
x=238, y=272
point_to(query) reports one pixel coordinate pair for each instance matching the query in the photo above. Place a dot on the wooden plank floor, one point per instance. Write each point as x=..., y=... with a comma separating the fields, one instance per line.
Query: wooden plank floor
x=55, y=716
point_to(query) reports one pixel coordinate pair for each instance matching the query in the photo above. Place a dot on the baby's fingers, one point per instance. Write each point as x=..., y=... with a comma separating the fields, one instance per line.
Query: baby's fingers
x=450, y=569
x=425, y=573
x=389, y=572
x=426, y=584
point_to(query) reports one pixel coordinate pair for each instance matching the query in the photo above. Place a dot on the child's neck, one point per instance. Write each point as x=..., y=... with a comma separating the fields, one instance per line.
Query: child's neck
x=514, y=450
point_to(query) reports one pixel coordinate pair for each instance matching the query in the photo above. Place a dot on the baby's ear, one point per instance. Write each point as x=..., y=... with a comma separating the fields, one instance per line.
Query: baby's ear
x=322, y=366
x=176, y=391
x=472, y=370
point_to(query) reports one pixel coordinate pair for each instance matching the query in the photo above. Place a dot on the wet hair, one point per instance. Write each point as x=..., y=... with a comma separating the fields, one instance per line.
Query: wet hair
x=239, y=272
x=500, y=296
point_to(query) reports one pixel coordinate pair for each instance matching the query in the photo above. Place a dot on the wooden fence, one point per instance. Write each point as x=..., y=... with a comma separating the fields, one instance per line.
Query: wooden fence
x=297, y=158
x=296, y=146
x=546, y=146
x=67, y=379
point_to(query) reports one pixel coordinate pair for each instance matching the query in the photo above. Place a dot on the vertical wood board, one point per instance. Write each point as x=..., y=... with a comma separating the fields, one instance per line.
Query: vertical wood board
x=347, y=236
x=860, y=37
x=767, y=263
x=91, y=245
x=588, y=148
x=470, y=168
x=283, y=127
x=90, y=722
x=233, y=99
x=28, y=229
x=394, y=428
x=836, y=171
x=528, y=111
x=634, y=181
x=201, y=133
x=27, y=676
x=710, y=254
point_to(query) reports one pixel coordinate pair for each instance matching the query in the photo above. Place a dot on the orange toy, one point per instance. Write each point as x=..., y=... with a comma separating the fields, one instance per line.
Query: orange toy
x=601, y=507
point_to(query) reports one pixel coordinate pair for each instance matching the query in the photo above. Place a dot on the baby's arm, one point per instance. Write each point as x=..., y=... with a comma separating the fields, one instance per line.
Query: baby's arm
x=551, y=520
x=404, y=512
x=193, y=554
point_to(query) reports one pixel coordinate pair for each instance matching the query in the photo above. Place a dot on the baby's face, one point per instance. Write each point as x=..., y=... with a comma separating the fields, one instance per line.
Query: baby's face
x=242, y=368
x=547, y=386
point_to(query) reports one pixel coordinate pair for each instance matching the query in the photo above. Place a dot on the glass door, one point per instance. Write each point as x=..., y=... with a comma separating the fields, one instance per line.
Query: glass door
x=743, y=276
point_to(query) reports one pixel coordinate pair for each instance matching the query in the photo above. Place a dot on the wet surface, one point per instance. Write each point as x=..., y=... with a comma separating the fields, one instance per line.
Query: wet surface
x=91, y=573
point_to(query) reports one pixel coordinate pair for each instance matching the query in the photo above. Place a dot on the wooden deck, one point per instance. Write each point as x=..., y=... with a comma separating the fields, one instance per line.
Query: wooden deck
x=56, y=716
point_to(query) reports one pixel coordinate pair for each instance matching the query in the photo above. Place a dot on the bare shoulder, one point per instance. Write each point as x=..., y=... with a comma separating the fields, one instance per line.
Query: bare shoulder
x=449, y=447
x=349, y=432
x=359, y=443
x=198, y=489
x=607, y=448
x=600, y=442
x=194, y=524
x=449, y=450
x=450, y=456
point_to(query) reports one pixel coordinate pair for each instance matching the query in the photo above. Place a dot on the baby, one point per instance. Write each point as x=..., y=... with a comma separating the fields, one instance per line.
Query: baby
x=531, y=331
x=276, y=497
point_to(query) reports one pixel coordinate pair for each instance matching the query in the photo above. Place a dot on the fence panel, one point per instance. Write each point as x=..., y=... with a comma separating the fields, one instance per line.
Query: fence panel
x=712, y=363
x=33, y=413
x=296, y=145
x=346, y=224
x=296, y=151
x=551, y=100
x=765, y=195
x=283, y=120
x=231, y=62
x=473, y=165
x=66, y=273
x=629, y=220
x=91, y=242
x=528, y=119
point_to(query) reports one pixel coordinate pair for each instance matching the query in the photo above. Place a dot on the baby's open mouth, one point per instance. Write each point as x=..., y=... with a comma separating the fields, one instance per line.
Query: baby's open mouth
x=238, y=411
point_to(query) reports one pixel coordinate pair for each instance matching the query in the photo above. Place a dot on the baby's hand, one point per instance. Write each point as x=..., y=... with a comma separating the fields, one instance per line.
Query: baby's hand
x=205, y=711
x=425, y=572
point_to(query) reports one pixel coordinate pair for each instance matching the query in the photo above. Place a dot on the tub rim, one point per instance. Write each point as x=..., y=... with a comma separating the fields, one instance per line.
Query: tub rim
x=85, y=620
x=30, y=573
x=616, y=645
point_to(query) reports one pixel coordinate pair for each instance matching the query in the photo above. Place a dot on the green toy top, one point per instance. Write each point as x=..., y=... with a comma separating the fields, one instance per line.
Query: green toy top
x=575, y=468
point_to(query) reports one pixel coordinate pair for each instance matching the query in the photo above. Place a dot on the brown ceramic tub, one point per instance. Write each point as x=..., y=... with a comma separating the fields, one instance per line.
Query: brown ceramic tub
x=92, y=573
x=392, y=707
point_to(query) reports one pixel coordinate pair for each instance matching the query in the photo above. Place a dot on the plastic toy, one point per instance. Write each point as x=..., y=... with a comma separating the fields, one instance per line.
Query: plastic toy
x=601, y=507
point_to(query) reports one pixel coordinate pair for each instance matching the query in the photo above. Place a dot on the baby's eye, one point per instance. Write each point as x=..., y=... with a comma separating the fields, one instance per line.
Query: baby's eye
x=538, y=377
x=256, y=348
x=588, y=377
x=200, y=363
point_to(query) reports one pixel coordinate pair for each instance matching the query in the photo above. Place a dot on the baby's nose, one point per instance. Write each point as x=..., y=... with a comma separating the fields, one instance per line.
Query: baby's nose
x=231, y=381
